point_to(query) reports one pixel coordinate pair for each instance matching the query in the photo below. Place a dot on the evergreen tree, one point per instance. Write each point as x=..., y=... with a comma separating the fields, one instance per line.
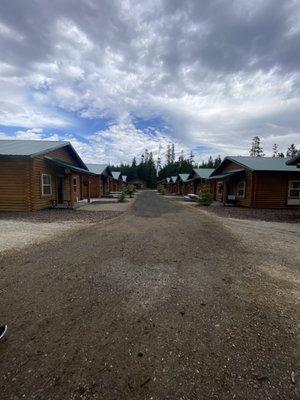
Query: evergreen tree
x=275, y=150
x=292, y=151
x=210, y=163
x=168, y=154
x=256, y=149
x=217, y=161
x=181, y=157
x=192, y=157
x=173, y=153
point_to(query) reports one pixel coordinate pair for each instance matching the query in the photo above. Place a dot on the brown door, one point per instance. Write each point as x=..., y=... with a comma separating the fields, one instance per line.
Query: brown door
x=60, y=189
x=76, y=188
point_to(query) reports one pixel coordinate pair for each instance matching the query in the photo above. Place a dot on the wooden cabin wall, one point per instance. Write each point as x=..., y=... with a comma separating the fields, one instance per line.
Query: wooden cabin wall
x=105, y=184
x=14, y=184
x=41, y=166
x=94, y=186
x=271, y=189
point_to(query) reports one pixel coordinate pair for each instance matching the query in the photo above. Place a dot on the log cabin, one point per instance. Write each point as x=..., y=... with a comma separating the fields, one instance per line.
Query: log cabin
x=165, y=183
x=168, y=184
x=123, y=182
x=37, y=174
x=138, y=184
x=183, y=184
x=100, y=183
x=257, y=182
x=115, y=182
x=174, y=184
x=197, y=178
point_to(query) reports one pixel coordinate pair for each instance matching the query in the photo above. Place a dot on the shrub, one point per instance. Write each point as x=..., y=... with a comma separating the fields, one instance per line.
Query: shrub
x=121, y=197
x=129, y=190
x=161, y=189
x=205, y=195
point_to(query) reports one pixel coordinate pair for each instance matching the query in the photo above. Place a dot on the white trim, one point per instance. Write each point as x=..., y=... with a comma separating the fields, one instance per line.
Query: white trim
x=46, y=185
x=243, y=189
x=290, y=188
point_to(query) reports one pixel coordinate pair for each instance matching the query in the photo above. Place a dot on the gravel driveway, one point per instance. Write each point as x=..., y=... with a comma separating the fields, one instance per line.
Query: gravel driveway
x=161, y=303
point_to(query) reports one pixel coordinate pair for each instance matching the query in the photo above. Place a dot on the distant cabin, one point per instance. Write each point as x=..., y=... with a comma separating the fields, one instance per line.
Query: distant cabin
x=138, y=184
x=116, y=181
x=258, y=182
x=37, y=174
x=100, y=182
x=197, y=178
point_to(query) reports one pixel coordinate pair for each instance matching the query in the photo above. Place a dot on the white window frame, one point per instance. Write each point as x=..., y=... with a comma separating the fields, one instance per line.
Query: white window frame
x=46, y=185
x=238, y=189
x=290, y=189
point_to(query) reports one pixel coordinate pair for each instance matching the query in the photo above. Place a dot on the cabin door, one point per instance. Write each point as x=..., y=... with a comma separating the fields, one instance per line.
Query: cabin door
x=60, y=189
x=76, y=188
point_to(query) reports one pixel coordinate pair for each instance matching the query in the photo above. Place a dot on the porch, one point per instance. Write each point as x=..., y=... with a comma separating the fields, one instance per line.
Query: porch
x=72, y=184
x=230, y=187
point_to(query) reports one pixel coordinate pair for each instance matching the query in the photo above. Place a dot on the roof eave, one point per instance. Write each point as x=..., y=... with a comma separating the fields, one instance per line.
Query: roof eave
x=39, y=153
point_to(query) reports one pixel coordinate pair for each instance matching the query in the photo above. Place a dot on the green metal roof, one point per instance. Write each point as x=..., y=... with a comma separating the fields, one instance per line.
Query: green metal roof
x=29, y=147
x=65, y=165
x=203, y=173
x=98, y=169
x=263, y=163
x=116, y=174
x=33, y=148
x=226, y=174
x=184, y=177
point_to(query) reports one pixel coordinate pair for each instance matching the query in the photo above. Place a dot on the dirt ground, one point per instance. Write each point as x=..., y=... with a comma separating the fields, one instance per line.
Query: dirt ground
x=20, y=229
x=164, y=302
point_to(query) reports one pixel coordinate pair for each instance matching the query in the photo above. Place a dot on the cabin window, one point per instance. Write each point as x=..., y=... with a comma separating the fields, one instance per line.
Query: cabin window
x=46, y=185
x=294, y=189
x=241, y=189
x=75, y=185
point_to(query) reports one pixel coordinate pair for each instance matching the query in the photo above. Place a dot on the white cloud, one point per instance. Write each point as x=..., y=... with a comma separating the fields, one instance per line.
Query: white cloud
x=217, y=75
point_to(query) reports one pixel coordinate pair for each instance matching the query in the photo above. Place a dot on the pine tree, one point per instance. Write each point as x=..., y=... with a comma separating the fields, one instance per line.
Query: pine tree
x=275, y=150
x=210, y=163
x=168, y=154
x=256, y=149
x=173, y=153
x=292, y=151
x=192, y=155
x=158, y=164
x=181, y=157
x=217, y=161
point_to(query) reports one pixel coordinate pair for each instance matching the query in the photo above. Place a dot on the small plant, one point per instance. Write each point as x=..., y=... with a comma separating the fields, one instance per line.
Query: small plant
x=205, y=195
x=161, y=189
x=121, y=197
x=129, y=190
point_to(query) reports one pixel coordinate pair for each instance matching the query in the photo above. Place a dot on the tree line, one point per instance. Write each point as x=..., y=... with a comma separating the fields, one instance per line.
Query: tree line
x=257, y=150
x=150, y=171
x=144, y=170
x=147, y=170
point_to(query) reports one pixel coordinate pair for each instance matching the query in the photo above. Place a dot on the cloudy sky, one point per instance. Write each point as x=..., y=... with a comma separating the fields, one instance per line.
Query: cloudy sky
x=118, y=76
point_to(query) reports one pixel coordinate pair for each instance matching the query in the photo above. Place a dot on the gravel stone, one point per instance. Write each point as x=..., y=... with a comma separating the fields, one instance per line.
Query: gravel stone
x=81, y=307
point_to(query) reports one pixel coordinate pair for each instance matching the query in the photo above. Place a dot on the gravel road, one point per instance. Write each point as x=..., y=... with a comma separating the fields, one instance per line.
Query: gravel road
x=160, y=303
